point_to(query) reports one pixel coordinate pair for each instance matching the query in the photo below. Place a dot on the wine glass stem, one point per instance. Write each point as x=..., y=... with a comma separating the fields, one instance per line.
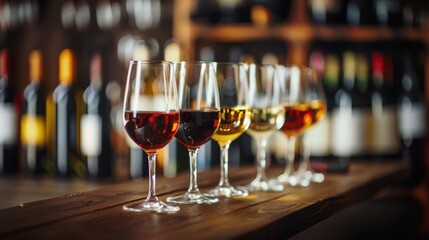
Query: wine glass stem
x=261, y=159
x=290, y=155
x=193, y=186
x=152, y=177
x=305, y=157
x=224, y=165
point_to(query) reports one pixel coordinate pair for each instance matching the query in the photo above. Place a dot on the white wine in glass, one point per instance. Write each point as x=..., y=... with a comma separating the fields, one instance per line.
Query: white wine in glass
x=234, y=119
x=267, y=116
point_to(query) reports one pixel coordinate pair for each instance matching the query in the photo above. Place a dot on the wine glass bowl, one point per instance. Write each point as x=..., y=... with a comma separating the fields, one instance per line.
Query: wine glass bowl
x=234, y=119
x=199, y=119
x=151, y=119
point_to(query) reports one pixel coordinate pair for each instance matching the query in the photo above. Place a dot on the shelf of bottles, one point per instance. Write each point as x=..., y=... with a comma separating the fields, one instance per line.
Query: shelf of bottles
x=373, y=56
x=62, y=74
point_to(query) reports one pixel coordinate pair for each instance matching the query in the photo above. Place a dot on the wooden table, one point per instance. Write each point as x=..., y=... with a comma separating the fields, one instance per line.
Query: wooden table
x=98, y=214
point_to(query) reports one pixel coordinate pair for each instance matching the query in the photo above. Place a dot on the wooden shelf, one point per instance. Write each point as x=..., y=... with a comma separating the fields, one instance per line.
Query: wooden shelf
x=298, y=33
x=303, y=32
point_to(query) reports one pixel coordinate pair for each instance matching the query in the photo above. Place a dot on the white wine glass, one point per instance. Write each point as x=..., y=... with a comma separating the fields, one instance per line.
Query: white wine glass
x=199, y=119
x=267, y=116
x=234, y=119
x=151, y=119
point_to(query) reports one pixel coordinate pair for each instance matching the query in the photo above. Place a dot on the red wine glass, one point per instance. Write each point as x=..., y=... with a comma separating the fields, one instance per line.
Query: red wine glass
x=151, y=119
x=199, y=120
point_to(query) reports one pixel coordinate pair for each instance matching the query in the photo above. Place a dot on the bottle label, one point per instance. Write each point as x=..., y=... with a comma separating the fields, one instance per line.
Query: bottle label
x=382, y=131
x=348, y=131
x=91, y=135
x=317, y=138
x=33, y=130
x=8, y=133
x=412, y=120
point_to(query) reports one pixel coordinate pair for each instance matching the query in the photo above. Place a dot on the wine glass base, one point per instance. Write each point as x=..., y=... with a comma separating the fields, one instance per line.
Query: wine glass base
x=304, y=179
x=193, y=198
x=150, y=206
x=283, y=178
x=228, y=191
x=265, y=186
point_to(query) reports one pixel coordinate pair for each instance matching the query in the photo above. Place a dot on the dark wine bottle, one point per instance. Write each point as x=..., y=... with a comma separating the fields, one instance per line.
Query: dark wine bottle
x=389, y=12
x=327, y=11
x=359, y=12
x=384, y=138
x=8, y=115
x=412, y=120
x=348, y=120
x=33, y=129
x=318, y=139
x=67, y=109
x=95, y=143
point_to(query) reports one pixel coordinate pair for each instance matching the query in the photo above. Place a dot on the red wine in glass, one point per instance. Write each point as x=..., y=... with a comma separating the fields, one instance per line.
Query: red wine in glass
x=197, y=127
x=151, y=130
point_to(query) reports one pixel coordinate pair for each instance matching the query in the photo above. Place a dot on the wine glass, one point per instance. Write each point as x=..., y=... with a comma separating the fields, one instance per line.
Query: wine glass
x=234, y=119
x=199, y=119
x=298, y=114
x=315, y=96
x=151, y=119
x=267, y=116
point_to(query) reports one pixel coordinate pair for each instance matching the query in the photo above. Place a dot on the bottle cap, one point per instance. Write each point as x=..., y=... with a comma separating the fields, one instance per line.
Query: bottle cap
x=3, y=63
x=66, y=62
x=35, y=62
x=96, y=68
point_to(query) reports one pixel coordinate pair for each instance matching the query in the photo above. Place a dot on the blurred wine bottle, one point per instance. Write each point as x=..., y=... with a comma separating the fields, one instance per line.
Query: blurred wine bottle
x=363, y=97
x=412, y=119
x=33, y=129
x=234, y=11
x=8, y=115
x=317, y=139
x=175, y=155
x=347, y=117
x=327, y=11
x=359, y=12
x=383, y=135
x=95, y=142
x=65, y=107
x=389, y=12
x=138, y=166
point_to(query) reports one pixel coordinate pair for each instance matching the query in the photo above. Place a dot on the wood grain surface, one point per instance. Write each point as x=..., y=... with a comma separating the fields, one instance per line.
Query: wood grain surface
x=98, y=214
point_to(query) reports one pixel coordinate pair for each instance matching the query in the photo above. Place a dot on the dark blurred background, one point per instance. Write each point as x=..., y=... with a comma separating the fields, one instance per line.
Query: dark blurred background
x=382, y=45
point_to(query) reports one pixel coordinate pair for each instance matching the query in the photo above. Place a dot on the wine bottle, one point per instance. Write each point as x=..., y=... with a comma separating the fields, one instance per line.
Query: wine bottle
x=389, y=12
x=33, y=129
x=233, y=11
x=363, y=104
x=327, y=11
x=383, y=135
x=359, y=12
x=347, y=117
x=67, y=107
x=95, y=142
x=8, y=115
x=318, y=138
x=412, y=120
